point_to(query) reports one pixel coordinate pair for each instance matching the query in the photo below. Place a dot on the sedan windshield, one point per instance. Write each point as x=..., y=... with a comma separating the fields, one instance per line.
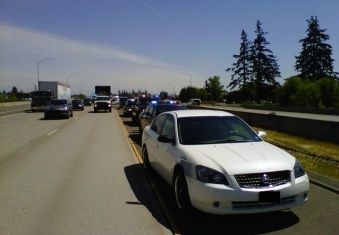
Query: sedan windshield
x=214, y=130
x=58, y=102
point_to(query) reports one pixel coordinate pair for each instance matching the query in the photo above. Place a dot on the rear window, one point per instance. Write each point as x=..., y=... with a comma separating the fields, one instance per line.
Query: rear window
x=58, y=102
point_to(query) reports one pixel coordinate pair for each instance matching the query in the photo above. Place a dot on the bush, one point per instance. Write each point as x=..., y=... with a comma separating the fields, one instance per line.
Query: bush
x=286, y=94
x=308, y=94
x=329, y=91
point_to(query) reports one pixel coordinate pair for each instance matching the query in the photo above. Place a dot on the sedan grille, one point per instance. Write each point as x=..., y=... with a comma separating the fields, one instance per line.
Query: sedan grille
x=102, y=105
x=262, y=180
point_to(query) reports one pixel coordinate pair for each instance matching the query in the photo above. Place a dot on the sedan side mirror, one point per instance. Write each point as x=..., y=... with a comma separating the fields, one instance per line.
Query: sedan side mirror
x=262, y=134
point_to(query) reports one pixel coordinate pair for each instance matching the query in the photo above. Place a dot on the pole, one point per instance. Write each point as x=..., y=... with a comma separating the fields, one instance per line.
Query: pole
x=38, y=68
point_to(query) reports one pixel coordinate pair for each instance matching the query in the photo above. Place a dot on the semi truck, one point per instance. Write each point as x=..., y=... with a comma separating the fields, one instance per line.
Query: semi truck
x=48, y=90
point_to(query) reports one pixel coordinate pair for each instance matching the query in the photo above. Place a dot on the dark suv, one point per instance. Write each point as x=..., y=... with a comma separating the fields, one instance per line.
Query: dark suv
x=127, y=109
x=78, y=104
x=154, y=109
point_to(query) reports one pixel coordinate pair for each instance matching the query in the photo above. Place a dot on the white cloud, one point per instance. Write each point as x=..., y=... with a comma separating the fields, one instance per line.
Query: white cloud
x=88, y=63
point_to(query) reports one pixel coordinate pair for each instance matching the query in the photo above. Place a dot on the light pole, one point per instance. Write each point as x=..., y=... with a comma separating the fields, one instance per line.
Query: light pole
x=38, y=67
x=69, y=76
x=172, y=87
x=189, y=76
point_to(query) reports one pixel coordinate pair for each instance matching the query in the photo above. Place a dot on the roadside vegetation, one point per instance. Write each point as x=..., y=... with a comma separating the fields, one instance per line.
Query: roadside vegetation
x=255, y=71
x=317, y=156
x=14, y=95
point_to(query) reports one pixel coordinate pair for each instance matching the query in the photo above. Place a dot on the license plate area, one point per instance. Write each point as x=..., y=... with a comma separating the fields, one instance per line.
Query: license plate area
x=270, y=196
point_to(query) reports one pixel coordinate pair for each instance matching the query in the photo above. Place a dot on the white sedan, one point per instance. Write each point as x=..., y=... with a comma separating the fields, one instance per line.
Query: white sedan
x=218, y=164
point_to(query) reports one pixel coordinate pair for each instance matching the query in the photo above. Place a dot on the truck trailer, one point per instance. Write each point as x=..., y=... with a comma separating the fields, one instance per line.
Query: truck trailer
x=47, y=91
x=103, y=90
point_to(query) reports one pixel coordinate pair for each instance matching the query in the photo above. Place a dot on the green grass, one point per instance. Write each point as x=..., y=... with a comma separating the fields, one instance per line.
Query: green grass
x=311, y=147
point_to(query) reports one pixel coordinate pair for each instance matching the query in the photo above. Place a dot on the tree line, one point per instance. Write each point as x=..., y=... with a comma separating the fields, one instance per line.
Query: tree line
x=255, y=71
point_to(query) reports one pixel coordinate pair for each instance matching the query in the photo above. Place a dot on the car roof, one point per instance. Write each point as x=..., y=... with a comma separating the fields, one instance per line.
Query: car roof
x=200, y=113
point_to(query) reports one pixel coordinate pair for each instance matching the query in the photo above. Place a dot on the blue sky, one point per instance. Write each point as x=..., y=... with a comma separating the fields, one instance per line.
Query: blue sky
x=147, y=44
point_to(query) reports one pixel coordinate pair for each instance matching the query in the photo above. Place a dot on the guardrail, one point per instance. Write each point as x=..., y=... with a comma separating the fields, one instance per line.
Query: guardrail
x=303, y=127
x=6, y=104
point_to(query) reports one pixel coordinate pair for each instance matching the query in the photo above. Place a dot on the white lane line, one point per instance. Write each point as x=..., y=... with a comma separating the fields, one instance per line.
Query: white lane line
x=52, y=132
x=16, y=114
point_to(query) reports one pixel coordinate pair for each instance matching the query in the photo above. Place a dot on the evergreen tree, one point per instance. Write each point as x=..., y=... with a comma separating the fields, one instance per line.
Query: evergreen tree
x=241, y=68
x=264, y=65
x=314, y=61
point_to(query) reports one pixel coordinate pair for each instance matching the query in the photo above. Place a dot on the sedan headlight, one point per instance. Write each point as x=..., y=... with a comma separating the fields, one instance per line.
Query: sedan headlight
x=208, y=175
x=298, y=169
x=64, y=108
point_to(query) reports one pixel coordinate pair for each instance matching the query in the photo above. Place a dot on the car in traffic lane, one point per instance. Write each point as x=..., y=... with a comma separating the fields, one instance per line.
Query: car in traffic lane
x=154, y=109
x=59, y=108
x=102, y=103
x=216, y=163
x=127, y=107
x=78, y=104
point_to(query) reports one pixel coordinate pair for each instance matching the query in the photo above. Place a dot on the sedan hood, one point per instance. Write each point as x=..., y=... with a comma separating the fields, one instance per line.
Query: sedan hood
x=241, y=158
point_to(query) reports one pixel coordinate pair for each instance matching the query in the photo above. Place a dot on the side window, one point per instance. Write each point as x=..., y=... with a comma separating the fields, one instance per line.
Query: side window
x=158, y=123
x=147, y=108
x=150, y=110
x=168, y=129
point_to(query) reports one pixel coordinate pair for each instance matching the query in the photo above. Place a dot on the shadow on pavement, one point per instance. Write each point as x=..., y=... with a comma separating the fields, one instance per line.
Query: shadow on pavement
x=141, y=188
x=136, y=138
x=130, y=123
x=197, y=222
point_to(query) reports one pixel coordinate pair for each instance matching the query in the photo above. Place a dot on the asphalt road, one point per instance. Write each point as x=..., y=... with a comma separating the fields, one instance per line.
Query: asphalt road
x=320, y=215
x=8, y=109
x=76, y=176
x=79, y=176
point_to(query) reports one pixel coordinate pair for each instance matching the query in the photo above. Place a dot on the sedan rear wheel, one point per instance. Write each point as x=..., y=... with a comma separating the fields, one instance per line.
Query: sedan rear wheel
x=181, y=192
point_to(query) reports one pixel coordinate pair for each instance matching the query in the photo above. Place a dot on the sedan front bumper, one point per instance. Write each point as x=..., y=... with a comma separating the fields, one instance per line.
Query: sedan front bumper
x=222, y=199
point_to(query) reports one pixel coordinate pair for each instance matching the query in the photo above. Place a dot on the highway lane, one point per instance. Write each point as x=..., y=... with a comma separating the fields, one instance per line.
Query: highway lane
x=76, y=176
x=8, y=108
x=320, y=215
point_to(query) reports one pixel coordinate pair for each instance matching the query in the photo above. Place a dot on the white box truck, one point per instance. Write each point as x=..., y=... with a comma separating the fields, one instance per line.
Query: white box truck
x=49, y=90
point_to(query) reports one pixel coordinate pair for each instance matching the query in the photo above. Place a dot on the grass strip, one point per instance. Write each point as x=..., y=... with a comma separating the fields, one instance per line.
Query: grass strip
x=316, y=156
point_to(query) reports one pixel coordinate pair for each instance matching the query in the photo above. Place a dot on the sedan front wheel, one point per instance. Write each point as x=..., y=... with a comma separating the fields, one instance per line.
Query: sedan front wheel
x=181, y=192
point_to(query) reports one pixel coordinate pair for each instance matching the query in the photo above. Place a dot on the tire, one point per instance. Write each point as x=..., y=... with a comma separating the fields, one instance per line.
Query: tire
x=110, y=110
x=181, y=194
x=72, y=114
x=145, y=159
